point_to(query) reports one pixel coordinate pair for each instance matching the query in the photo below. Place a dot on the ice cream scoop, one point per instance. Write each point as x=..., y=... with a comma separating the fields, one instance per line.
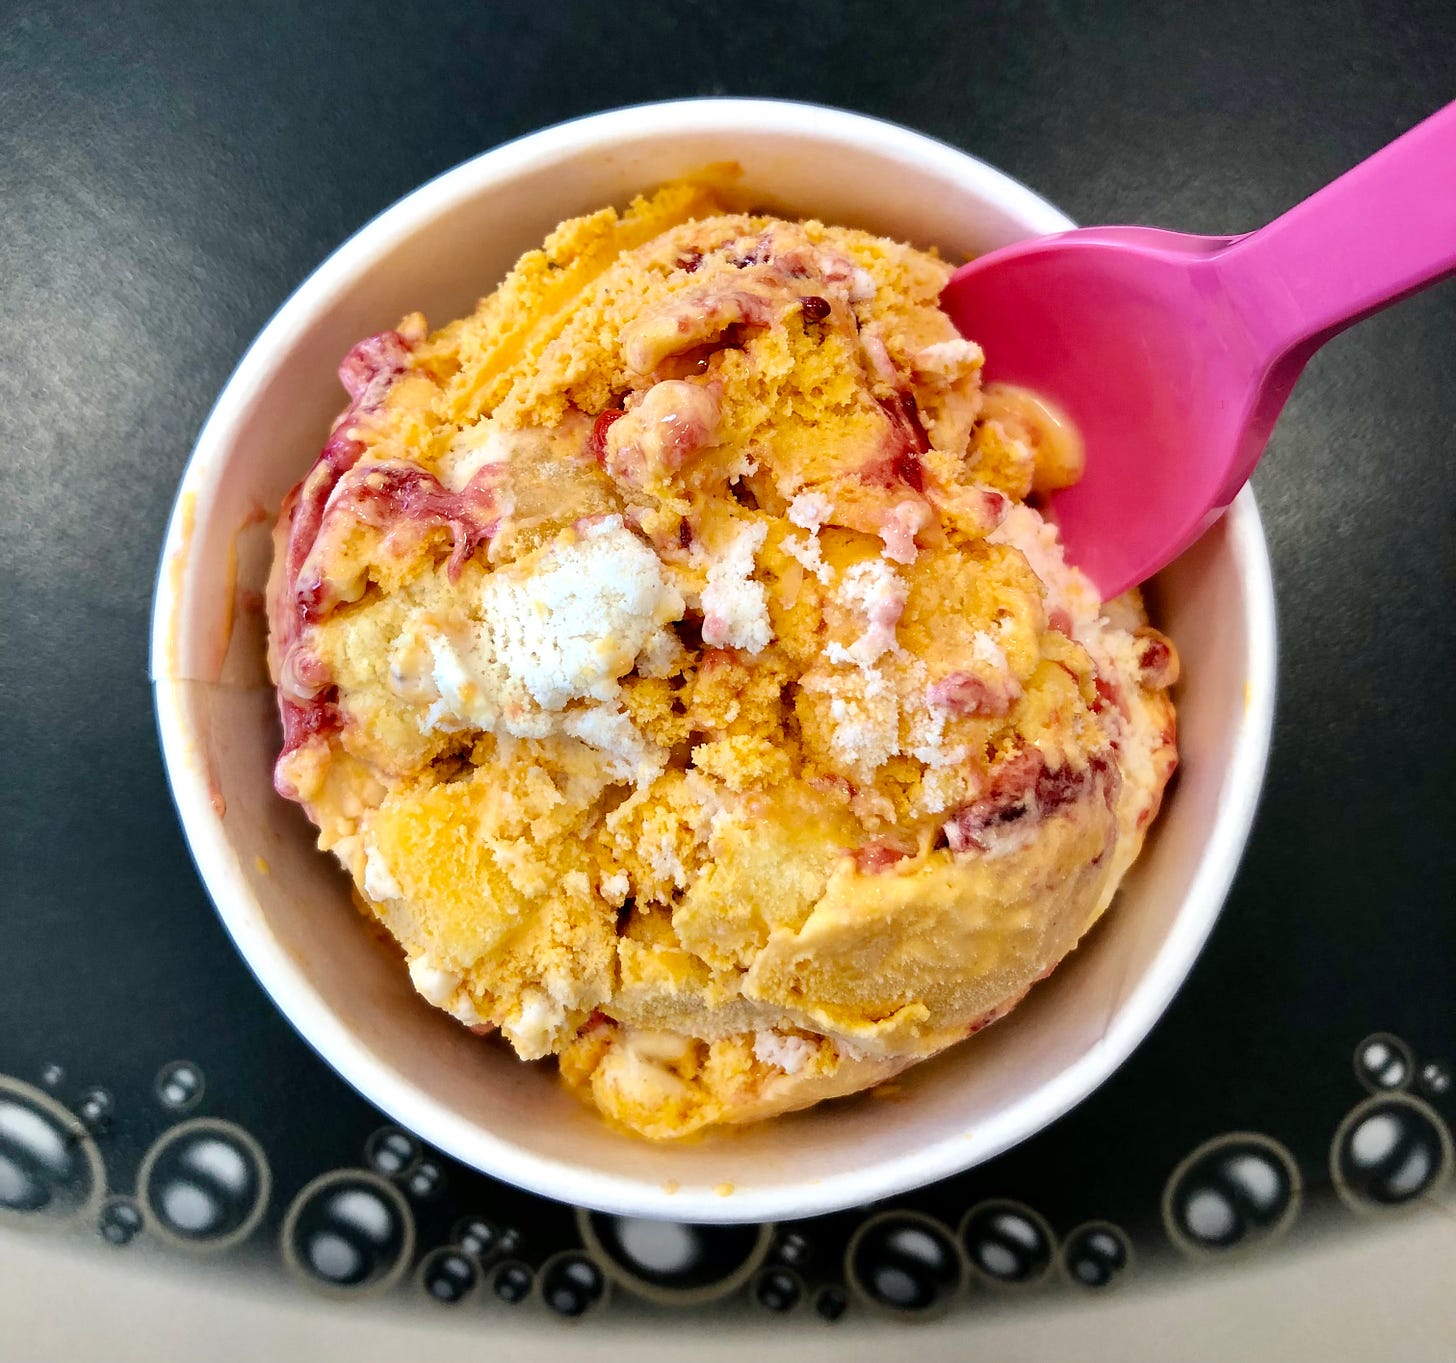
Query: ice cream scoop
x=1172, y=355
x=669, y=653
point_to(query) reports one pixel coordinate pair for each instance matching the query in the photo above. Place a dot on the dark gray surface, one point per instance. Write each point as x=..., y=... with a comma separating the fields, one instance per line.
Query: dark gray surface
x=168, y=172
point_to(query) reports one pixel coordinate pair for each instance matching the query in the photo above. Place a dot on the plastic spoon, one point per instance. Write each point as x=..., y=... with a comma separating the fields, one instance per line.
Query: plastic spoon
x=1172, y=355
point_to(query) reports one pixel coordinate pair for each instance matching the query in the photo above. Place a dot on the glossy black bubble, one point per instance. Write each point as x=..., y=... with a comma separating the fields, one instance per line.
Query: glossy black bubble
x=205, y=1183
x=448, y=1276
x=776, y=1289
x=44, y=1169
x=1389, y=1152
x=179, y=1085
x=481, y=1239
x=95, y=1108
x=1236, y=1192
x=831, y=1303
x=1095, y=1255
x=349, y=1232
x=1383, y=1062
x=391, y=1152
x=1007, y=1244
x=512, y=1282
x=509, y=1243
x=1435, y=1078
x=425, y=1180
x=672, y=1256
x=572, y=1284
x=794, y=1249
x=904, y=1263
x=120, y=1221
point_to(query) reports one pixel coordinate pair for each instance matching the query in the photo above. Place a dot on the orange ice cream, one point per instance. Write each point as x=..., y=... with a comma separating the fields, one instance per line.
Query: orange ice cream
x=668, y=651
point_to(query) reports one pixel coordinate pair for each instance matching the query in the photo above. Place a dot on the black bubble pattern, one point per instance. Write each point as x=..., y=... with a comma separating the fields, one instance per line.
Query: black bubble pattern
x=512, y=1282
x=205, y=1184
x=483, y=1240
x=905, y=1263
x=349, y=1232
x=668, y=1257
x=509, y=1244
x=1096, y=1255
x=1435, y=1079
x=777, y=1289
x=1383, y=1062
x=794, y=1249
x=425, y=1181
x=96, y=1107
x=179, y=1086
x=391, y=1152
x=48, y=1169
x=1007, y=1244
x=120, y=1221
x=831, y=1303
x=448, y=1276
x=1389, y=1152
x=572, y=1284
x=1233, y=1193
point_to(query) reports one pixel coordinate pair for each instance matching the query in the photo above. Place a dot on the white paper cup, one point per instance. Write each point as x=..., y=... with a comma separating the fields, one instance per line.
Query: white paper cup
x=288, y=906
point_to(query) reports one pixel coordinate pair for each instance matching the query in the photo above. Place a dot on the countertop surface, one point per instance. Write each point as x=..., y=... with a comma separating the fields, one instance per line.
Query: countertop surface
x=168, y=174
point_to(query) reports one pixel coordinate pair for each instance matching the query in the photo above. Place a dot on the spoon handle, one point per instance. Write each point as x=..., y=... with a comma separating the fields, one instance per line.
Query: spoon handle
x=1379, y=232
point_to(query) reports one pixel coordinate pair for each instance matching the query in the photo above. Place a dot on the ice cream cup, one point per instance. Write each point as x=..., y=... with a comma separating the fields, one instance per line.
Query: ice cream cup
x=289, y=908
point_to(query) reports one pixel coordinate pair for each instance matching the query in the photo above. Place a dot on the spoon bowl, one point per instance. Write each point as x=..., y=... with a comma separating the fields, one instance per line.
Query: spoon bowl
x=1173, y=355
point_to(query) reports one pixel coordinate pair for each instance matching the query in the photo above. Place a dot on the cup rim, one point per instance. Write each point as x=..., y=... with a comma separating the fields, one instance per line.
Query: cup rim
x=288, y=984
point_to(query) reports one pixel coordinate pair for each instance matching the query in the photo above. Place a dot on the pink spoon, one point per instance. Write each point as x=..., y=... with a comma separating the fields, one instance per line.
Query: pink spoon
x=1172, y=355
